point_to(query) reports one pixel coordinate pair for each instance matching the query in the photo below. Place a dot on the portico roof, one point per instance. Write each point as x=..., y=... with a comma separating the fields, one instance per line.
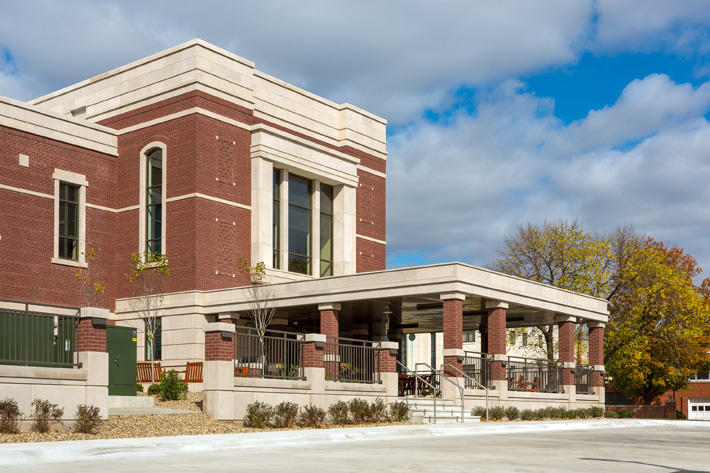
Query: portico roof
x=415, y=291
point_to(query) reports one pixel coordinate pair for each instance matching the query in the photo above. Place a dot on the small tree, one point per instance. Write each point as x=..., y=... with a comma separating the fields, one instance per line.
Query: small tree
x=90, y=287
x=146, y=277
x=261, y=300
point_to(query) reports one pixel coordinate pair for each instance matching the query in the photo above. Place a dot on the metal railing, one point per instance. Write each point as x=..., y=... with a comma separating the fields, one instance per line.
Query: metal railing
x=35, y=338
x=276, y=354
x=582, y=378
x=417, y=377
x=477, y=368
x=535, y=375
x=350, y=360
x=467, y=380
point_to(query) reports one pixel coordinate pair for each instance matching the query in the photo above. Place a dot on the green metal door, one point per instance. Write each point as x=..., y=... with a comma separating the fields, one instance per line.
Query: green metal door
x=121, y=347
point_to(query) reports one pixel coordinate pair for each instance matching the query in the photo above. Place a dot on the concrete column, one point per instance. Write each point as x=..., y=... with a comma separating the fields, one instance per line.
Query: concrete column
x=329, y=319
x=218, y=373
x=283, y=222
x=496, y=332
x=453, y=331
x=262, y=195
x=596, y=356
x=387, y=357
x=314, y=368
x=344, y=230
x=315, y=230
x=91, y=353
x=565, y=343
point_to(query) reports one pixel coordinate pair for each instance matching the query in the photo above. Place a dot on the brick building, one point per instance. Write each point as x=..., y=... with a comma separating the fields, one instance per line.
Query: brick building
x=196, y=154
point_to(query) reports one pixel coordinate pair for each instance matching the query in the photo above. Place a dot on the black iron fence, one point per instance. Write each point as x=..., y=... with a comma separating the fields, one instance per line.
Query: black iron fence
x=350, y=360
x=274, y=354
x=527, y=374
x=33, y=338
x=477, y=367
x=582, y=378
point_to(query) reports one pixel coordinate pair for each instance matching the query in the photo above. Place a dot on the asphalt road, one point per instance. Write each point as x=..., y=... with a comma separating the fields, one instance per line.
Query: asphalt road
x=633, y=449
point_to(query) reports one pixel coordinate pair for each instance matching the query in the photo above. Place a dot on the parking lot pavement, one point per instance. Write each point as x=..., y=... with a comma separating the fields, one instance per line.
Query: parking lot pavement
x=660, y=447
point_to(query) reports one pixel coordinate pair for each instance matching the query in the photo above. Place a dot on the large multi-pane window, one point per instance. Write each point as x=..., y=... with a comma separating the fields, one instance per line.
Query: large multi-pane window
x=326, y=230
x=68, y=221
x=299, y=224
x=276, y=233
x=154, y=202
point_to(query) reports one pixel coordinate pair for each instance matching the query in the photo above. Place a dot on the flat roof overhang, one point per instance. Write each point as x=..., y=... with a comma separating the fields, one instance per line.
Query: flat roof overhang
x=416, y=289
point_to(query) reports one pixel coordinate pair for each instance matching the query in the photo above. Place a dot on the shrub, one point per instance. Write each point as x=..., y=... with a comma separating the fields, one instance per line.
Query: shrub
x=540, y=414
x=512, y=413
x=552, y=413
x=87, y=419
x=339, y=412
x=399, y=411
x=528, y=414
x=625, y=414
x=45, y=413
x=360, y=410
x=496, y=413
x=479, y=412
x=139, y=388
x=171, y=387
x=596, y=411
x=258, y=415
x=611, y=414
x=285, y=415
x=9, y=416
x=377, y=412
x=311, y=416
x=153, y=389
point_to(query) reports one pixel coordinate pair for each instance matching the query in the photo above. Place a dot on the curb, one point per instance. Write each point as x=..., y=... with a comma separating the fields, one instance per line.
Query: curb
x=115, y=449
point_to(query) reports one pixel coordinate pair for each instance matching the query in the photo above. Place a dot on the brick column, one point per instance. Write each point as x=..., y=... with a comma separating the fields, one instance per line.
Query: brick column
x=91, y=353
x=453, y=332
x=565, y=344
x=329, y=319
x=218, y=372
x=313, y=346
x=387, y=363
x=314, y=367
x=496, y=331
x=596, y=352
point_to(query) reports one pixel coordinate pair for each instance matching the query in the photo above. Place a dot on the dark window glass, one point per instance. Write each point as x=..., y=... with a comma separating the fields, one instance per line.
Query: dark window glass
x=276, y=233
x=154, y=202
x=68, y=221
x=469, y=336
x=326, y=230
x=299, y=225
x=525, y=339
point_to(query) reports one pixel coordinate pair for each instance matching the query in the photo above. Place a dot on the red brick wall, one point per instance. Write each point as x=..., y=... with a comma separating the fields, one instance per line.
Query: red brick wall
x=566, y=350
x=371, y=220
x=596, y=353
x=329, y=323
x=695, y=390
x=496, y=340
x=27, y=221
x=312, y=356
x=387, y=361
x=453, y=323
x=218, y=347
x=90, y=338
x=370, y=256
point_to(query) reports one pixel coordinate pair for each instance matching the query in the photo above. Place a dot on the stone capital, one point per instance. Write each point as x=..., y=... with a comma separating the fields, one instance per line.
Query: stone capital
x=561, y=318
x=220, y=327
x=569, y=364
x=499, y=357
x=595, y=324
x=453, y=352
x=228, y=316
x=94, y=313
x=492, y=304
x=329, y=306
x=389, y=346
x=445, y=296
x=315, y=337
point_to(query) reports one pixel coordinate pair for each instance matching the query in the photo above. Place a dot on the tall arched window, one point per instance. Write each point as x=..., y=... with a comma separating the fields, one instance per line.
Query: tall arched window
x=152, y=199
x=154, y=202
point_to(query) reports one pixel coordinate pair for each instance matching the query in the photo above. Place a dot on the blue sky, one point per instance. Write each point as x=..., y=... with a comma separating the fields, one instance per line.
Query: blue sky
x=500, y=113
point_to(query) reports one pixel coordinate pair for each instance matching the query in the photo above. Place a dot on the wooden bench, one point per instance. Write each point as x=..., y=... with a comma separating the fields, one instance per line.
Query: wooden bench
x=193, y=372
x=147, y=372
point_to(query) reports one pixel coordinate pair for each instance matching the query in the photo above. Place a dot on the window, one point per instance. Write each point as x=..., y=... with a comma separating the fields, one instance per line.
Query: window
x=69, y=218
x=154, y=202
x=276, y=234
x=154, y=340
x=326, y=230
x=469, y=336
x=299, y=224
x=68, y=221
x=701, y=376
x=525, y=339
x=511, y=338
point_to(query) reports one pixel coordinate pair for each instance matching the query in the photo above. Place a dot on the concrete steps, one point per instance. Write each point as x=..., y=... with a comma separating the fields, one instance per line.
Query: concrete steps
x=447, y=411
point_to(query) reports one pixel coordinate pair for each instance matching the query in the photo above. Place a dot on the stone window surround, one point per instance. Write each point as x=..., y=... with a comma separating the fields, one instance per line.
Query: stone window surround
x=61, y=176
x=143, y=198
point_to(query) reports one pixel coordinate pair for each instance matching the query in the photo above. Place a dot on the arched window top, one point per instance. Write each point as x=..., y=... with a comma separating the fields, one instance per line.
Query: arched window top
x=152, y=198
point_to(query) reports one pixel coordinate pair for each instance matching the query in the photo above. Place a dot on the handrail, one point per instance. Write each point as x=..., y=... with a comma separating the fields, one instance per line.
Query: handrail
x=475, y=382
x=441, y=375
x=416, y=376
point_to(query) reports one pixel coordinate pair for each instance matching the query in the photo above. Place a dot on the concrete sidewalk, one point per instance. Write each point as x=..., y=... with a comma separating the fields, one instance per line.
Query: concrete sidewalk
x=153, y=447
